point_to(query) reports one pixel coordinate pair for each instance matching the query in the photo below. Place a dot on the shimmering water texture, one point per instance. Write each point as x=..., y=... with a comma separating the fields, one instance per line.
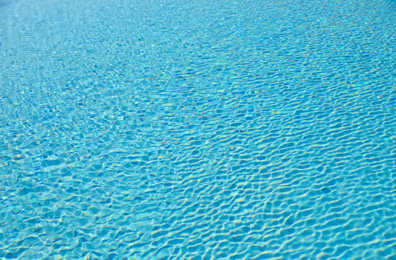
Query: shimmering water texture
x=200, y=129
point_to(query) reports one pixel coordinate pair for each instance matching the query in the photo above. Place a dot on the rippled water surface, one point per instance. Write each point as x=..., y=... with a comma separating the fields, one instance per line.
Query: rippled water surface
x=200, y=129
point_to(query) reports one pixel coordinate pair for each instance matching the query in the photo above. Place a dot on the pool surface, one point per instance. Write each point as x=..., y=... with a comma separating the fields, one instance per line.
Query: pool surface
x=200, y=129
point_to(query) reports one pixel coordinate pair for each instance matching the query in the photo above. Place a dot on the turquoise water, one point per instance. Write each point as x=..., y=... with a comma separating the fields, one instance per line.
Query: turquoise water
x=202, y=129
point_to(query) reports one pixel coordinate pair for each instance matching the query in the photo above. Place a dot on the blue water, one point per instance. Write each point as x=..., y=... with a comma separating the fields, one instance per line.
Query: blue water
x=201, y=129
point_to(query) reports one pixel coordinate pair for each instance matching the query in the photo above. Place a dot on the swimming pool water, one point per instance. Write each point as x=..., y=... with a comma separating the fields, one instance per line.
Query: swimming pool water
x=174, y=129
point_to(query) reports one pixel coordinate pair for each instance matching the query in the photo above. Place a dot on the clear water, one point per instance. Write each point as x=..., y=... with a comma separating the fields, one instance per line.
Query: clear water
x=201, y=129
